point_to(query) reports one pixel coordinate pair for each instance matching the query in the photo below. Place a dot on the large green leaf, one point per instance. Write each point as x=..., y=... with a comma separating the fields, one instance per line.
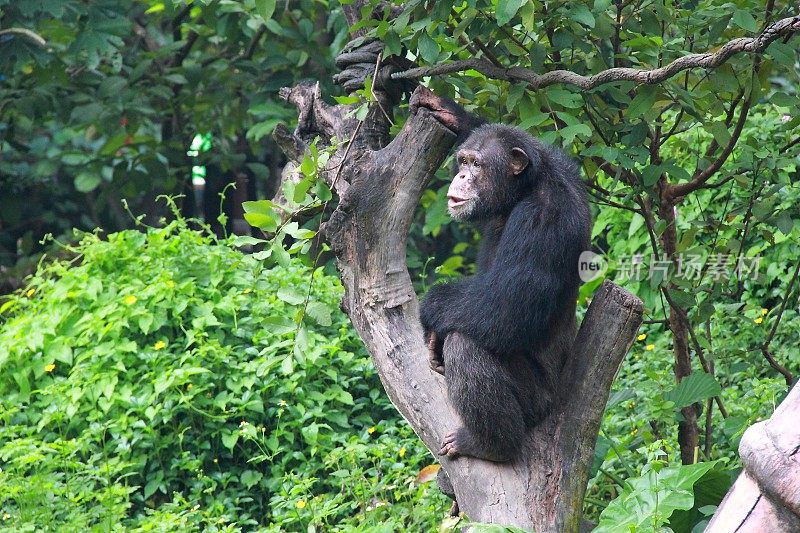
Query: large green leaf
x=647, y=502
x=265, y=8
x=696, y=387
x=506, y=9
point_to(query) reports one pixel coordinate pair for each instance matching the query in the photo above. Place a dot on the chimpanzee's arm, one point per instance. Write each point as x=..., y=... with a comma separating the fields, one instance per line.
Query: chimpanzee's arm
x=446, y=111
x=438, y=303
x=511, y=306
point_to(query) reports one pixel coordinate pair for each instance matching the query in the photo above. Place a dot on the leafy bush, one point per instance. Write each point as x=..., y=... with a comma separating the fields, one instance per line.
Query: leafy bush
x=154, y=382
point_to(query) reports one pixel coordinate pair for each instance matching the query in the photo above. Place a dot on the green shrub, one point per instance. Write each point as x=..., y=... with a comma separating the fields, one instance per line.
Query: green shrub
x=157, y=381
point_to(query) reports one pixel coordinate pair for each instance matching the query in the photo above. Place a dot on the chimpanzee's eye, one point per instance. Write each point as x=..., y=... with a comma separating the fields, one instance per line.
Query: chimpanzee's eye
x=476, y=163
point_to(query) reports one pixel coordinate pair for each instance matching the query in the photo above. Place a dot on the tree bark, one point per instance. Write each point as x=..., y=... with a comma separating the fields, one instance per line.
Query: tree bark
x=766, y=497
x=378, y=192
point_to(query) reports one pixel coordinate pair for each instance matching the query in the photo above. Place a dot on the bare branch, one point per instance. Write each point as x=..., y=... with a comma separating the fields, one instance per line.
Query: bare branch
x=700, y=178
x=765, y=347
x=35, y=37
x=790, y=144
x=754, y=45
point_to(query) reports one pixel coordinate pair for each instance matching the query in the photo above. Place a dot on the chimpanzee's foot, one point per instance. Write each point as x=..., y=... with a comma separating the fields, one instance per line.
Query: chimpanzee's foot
x=450, y=445
x=461, y=442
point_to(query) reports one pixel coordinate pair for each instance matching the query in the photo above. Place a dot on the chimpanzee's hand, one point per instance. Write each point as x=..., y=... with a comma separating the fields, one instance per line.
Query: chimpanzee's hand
x=435, y=358
x=446, y=111
x=357, y=62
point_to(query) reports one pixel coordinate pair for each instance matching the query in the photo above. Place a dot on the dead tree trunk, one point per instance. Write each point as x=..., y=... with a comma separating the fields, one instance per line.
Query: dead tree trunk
x=378, y=190
x=766, y=497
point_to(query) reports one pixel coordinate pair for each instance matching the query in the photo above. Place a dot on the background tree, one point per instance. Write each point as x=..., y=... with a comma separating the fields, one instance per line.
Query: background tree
x=101, y=101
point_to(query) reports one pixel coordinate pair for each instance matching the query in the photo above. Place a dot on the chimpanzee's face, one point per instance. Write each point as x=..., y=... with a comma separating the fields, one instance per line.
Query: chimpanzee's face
x=464, y=194
x=485, y=179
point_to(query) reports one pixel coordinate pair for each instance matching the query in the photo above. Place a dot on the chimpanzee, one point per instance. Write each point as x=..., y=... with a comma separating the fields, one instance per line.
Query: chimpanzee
x=502, y=336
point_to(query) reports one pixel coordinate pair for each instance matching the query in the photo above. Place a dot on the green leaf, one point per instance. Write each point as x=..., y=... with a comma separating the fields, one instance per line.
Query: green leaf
x=682, y=298
x=428, y=48
x=250, y=478
x=600, y=452
x=151, y=487
x=114, y=143
x=648, y=502
x=265, y=207
x=506, y=9
x=246, y=240
x=87, y=181
x=564, y=97
x=319, y=312
x=570, y=132
x=784, y=100
x=719, y=131
x=61, y=352
x=145, y=321
x=580, y=13
x=265, y=222
x=651, y=174
x=265, y=8
x=744, y=20
x=300, y=190
x=528, y=15
x=280, y=254
x=290, y=296
x=229, y=438
x=619, y=397
x=278, y=325
x=642, y=103
x=177, y=79
x=310, y=433
x=696, y=387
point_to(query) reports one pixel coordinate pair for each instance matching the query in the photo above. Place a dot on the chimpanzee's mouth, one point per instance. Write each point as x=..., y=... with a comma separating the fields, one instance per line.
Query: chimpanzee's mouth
x=455, y=201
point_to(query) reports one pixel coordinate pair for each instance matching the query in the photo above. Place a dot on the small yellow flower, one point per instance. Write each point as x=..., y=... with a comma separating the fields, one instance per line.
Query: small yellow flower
x=402, y=452
x=641, y=337
x=300, y=504
x=159, y=345
x=243, y=423
x=650, y=347
x=130, y=299
x=6, y=516
x=764, y=311
x=216, y=461
x=282, y=403
x=634, y=431
x=758, y=320
x=371, y=430
x=631, y=405
x=189, y=386
x=50, y=367
x=30, y=292
x=248, y=290
x=170, y=283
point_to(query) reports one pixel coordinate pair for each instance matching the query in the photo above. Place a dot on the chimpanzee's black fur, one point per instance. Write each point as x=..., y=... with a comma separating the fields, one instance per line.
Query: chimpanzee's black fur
x=508, y=330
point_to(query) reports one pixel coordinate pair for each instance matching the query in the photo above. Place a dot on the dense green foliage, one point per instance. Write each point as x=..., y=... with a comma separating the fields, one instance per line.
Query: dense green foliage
x=155, y=381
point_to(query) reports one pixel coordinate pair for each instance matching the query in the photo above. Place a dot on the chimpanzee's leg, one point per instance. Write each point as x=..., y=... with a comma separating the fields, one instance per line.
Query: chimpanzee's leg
x=483, y=393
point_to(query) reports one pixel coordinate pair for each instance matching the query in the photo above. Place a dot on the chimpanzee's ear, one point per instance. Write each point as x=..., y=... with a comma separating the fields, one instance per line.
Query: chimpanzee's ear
x=519, y=160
